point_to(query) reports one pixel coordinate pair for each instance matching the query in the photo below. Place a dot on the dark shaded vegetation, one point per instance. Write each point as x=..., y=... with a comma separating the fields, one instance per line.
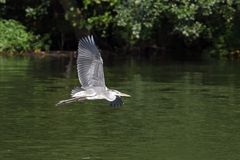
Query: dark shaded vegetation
x=141, y=27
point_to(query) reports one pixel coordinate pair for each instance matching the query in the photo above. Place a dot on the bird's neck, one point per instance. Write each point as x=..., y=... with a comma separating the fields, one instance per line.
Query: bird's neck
x=111, y=96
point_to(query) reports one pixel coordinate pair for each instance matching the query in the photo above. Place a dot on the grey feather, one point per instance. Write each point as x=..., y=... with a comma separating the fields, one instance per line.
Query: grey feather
x=89, y=64
x=76, y=89
x=91, y=76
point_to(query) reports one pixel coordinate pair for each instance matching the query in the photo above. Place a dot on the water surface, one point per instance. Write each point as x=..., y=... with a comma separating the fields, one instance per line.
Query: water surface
x=178, y=111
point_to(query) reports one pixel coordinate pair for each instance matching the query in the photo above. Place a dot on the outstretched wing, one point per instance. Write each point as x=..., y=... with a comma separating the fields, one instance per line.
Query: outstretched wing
x=89, y=64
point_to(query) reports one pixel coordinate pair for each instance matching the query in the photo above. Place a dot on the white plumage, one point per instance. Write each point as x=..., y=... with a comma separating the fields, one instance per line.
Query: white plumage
x=91, y=76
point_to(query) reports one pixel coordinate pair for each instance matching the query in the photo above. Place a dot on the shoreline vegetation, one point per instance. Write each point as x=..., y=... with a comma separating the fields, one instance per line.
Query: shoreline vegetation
x=135, y=52
x=142, y=28
x=41, y=54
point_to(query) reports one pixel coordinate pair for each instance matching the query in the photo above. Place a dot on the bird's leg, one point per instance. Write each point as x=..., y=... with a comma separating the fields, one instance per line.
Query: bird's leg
x=69, y=101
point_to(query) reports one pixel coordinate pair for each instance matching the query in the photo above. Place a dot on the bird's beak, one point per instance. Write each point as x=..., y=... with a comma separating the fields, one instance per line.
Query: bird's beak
x=124, y=95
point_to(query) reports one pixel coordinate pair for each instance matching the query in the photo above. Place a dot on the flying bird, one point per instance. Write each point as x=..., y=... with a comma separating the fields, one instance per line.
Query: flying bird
x=91, y=76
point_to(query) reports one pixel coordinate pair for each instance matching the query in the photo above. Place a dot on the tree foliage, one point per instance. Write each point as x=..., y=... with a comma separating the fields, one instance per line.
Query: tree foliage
x=15, y=38
x=203, y=21
x=189, y=19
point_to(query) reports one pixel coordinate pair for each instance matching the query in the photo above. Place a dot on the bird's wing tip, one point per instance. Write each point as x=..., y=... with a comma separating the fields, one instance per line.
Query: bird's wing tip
x=88, y=39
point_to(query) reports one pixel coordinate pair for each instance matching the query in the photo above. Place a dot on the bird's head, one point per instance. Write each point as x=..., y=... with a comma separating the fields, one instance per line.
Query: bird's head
x=117, y=93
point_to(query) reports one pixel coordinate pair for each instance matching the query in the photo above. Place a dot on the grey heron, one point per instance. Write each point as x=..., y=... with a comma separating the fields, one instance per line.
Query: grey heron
x=91, y=76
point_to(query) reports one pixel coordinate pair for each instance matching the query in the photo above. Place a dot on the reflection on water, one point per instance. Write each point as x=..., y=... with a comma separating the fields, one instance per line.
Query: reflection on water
x=178, y=111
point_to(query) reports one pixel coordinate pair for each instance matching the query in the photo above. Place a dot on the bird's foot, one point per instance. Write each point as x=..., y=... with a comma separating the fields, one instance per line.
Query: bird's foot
x=69, y=101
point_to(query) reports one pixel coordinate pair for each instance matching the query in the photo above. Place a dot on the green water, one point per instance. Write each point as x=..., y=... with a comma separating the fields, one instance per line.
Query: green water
x=178, y=111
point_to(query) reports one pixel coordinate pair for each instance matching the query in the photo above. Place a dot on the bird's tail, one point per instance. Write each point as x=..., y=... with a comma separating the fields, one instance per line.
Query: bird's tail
x=69, y=101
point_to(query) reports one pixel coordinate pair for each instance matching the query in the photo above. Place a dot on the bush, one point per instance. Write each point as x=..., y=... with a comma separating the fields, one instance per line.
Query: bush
x=188, y=19
x=15, y=38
